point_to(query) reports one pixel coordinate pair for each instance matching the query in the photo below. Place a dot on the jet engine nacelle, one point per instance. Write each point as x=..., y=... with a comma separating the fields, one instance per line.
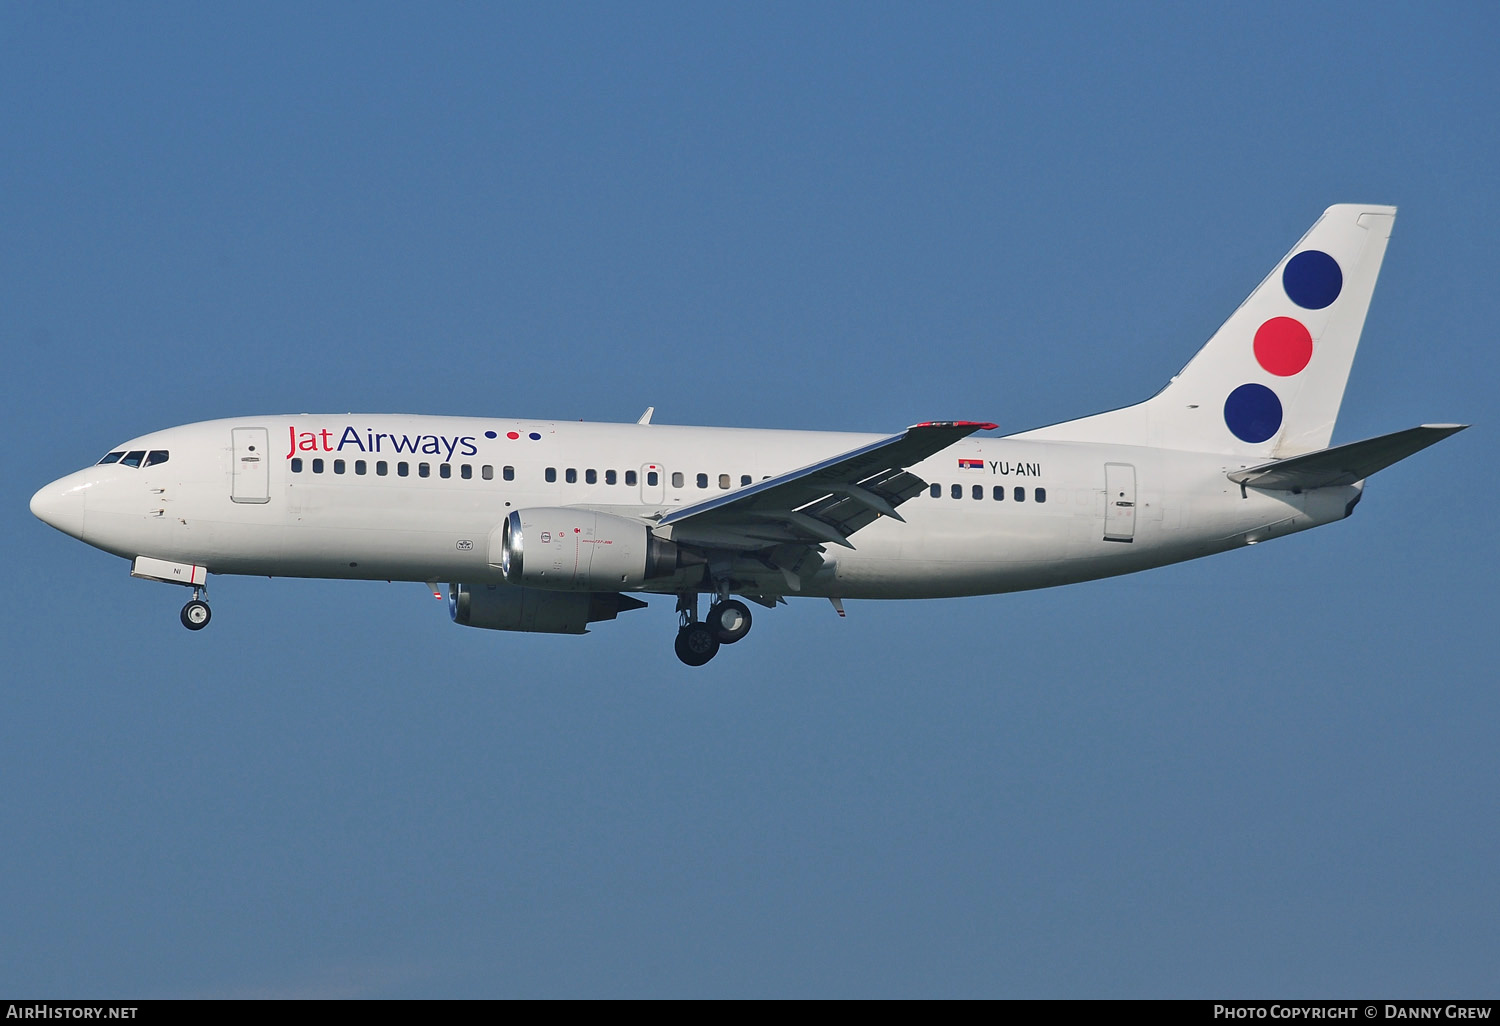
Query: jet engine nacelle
x=565, y=549
x=503, y=607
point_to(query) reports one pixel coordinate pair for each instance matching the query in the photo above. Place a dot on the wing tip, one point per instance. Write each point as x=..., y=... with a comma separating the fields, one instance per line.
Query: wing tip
x=977, y=425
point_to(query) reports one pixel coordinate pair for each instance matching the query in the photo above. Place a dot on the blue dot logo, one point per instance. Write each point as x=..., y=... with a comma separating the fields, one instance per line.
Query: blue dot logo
x=1253, y=413
x=489, y=434
x=1312, y=279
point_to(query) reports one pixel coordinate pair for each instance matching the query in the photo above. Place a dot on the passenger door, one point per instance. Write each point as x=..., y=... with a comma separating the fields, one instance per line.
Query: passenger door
x=1119, y=502
x=250, y=477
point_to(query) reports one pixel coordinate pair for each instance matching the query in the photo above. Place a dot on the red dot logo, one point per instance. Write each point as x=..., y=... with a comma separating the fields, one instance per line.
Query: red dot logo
x=1283, y=346
x=512, y=435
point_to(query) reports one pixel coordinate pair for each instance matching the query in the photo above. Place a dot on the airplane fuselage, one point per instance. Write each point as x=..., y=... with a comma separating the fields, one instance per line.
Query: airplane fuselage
x=421, y=498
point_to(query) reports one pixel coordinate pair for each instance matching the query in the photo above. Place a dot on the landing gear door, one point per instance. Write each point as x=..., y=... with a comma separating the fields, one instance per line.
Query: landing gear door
x=250, y=476
x=1119, y=502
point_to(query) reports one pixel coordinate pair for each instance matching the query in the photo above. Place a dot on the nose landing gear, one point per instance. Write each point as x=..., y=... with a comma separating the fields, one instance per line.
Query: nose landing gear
x=196, y=614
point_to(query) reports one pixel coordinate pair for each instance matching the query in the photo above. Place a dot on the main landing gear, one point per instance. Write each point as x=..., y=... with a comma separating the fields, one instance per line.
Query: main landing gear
x=698, y=641
x=196, y=614
x=696, y=644
x=730, y=620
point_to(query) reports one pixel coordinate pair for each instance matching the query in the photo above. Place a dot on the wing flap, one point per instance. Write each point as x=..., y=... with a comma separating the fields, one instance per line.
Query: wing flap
x=1343, y=464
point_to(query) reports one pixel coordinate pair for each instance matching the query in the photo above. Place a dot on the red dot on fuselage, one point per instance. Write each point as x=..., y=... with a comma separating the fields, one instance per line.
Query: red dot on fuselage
x=512, y=435
x=1283, y=346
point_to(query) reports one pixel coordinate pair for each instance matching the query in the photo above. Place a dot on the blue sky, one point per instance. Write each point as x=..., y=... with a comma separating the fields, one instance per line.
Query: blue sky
x=1269, y=773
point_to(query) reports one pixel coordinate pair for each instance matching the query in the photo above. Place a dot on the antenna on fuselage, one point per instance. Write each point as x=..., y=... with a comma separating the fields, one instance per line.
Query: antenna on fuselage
x=646, y=417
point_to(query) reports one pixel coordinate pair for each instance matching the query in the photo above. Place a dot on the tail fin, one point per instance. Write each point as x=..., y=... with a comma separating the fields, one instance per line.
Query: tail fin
x=1270, y=381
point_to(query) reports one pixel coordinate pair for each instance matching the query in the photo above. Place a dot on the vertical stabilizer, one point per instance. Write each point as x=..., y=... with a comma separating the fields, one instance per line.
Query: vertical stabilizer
x=1270, y=380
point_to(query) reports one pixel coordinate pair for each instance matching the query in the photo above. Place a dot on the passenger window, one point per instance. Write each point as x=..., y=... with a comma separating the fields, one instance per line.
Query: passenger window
x=999, y=493
x=424, y=469
x=723, y=480
x=610, y=477
x=297, y=465
x=133, y=459
x=1020, y=495
x=155, y=457
x=1041, y=495
x=957, y=491
x=403, y=469
x=630, y=478
x=935, y=490
x=702, y=480
x=113, y=457
x=744, y=480
x=488, y=472
x=571, y=476
x=977, y=491
x=677, y=479
x=445, y=470
x=591, y=477
x=551, y=475
x=382, y=468
x=509, y=473
x=360, y=466
x=317, y=466
x=466, y=471
x=338, y=466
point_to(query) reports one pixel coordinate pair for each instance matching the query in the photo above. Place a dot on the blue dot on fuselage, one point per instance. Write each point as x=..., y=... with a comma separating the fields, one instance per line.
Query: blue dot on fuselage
x=534, y=437
x=1253, y=413
x=490, y=434
x=1312, y=279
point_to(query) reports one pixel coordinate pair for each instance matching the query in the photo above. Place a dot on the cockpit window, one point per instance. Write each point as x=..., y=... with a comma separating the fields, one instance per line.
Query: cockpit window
x=136, y=458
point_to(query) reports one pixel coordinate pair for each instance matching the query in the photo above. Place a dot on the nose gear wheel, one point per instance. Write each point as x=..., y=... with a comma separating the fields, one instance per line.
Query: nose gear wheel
x=196, y=614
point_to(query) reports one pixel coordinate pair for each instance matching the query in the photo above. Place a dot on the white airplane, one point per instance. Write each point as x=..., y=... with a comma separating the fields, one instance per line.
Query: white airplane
x=548, y=526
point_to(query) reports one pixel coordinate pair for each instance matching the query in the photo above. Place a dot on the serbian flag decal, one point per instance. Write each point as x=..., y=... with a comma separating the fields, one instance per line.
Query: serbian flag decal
x=971, y=464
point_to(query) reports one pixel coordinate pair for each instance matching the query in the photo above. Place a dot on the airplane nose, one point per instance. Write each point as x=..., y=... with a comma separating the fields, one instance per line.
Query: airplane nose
x=60, y=505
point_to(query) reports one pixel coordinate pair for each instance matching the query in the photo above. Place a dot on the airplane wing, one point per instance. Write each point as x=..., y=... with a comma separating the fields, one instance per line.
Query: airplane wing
x=824, y=502
x=1343, y=464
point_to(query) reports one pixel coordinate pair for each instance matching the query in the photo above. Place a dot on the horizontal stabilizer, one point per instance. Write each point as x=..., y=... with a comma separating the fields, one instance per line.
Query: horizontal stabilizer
x=1343, y=464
